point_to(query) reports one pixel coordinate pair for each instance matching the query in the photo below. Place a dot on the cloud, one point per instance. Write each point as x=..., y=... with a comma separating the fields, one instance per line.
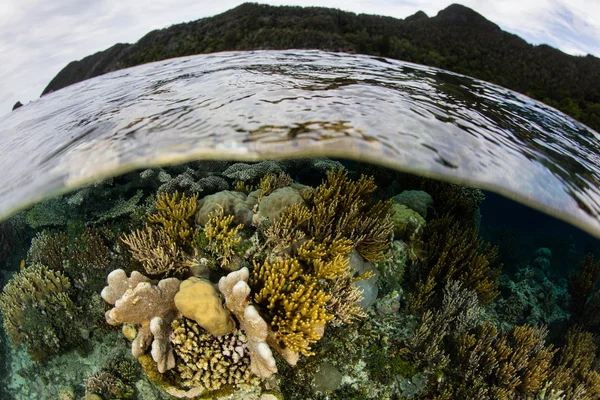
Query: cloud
x=38, y=38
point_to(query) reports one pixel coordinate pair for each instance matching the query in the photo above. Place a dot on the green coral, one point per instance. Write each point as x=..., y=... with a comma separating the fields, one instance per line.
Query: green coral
x=38, y=311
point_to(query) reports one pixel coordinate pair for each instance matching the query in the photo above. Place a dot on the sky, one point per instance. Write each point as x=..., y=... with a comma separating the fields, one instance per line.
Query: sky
x=39, y=37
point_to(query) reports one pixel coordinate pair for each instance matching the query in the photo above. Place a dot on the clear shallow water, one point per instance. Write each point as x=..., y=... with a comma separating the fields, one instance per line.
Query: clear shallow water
x=277, y=104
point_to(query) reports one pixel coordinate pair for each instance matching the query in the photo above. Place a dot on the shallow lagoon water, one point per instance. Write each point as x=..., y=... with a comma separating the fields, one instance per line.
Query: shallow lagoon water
x=124, y=132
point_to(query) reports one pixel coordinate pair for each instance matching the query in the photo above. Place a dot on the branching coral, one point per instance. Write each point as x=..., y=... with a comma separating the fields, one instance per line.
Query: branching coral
x=162, y=248
x=574, y=374
x=328, y=259
x=116, y=381
x=207, y=361
x=581, y=287
x=340, y=206
x=270, y=182
x=38, y=311
x=174, y=214
x=453, y=252
x=295, y=303
x=222, y=238
x=503, y=366
x=344, y=299
x=89, y=249
x=458, y=313
x=49, y=249
x=156, y=251
x=288, y=228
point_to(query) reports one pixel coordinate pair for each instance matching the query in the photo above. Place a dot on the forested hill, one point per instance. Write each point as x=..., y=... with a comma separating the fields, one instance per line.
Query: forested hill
x=457, y=39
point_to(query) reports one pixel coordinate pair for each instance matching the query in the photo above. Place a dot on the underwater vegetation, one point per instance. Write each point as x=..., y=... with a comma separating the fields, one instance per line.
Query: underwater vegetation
x=297, y=279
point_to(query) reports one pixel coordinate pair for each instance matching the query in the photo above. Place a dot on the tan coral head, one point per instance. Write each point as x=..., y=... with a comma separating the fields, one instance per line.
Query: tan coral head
x=198, y=300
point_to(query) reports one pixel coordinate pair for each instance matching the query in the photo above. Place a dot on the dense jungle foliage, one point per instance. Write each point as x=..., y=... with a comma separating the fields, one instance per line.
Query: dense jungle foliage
x=457, y=39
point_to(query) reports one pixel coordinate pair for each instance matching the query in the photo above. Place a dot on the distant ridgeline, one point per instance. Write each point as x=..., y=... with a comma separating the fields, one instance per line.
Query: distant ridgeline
x=457, y=39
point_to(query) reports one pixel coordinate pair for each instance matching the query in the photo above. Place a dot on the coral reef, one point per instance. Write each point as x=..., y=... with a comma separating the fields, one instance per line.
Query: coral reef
x=39, y=297
x=453, y=252
x=584, y=304
x=459, y=312
x=175, y=215
x=232, y=203
x=502, y=365
x=207, y=361
x=408, y=224
x=529, y=300
x=156, y=251
x=296, y=306
x=163, y=248
x=342, y=206
x=223, y=239
x=271, y=205
x=416, y=200
x=252, y=172
x=272, y=182
x=146, y=305
x=235, y=288
x=113, y=382
x=198, y=300
x=574, y=374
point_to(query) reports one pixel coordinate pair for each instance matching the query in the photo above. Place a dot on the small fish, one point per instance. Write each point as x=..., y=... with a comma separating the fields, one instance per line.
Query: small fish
x=22, y=264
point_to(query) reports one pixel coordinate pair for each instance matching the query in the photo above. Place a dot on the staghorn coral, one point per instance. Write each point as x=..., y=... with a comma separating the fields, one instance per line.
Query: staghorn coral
x=343, y=303
x=156, y=251
x=453, y=252
x=240, y=186
x=574, y=374
x=222, y=238
x=175, y=214
x=207, y=361
x=328, y=259
x=198, y=300
x=234, y=287
x=295, y=304
x=38, y=311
